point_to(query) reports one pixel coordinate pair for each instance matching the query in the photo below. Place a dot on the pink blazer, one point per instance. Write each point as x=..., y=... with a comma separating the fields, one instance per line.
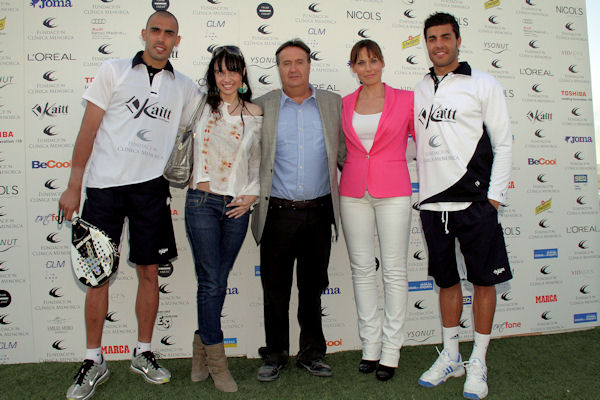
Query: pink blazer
x=382, y=170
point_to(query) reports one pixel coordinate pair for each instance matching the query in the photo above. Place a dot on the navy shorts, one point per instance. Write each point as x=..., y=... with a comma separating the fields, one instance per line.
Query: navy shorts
x=147, y=208
x=481, y=242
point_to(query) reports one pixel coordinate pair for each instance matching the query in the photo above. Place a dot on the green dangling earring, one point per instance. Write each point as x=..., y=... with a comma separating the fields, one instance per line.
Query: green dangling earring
x=243, y=89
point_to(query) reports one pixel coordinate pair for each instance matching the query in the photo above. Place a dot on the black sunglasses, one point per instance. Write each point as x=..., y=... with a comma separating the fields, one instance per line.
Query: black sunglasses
x=229, y=49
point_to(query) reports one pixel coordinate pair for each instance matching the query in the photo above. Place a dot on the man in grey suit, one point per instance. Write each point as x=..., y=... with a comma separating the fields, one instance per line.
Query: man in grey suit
x=297, y=206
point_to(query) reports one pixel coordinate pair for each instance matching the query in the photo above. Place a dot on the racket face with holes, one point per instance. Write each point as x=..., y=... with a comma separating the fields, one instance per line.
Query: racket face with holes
x=94, y=256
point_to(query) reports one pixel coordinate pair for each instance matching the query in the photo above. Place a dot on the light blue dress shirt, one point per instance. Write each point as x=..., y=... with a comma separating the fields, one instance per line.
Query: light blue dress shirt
x=301, y=170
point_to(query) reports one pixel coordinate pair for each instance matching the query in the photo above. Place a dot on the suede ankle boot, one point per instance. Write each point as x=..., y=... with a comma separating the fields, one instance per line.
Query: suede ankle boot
x=217, y=366
x=199, y=367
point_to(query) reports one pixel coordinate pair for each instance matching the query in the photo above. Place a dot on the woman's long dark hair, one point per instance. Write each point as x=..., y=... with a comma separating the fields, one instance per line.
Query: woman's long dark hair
x=234, y=62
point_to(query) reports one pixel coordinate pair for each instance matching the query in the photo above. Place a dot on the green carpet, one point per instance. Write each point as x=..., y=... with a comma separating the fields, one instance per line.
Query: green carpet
x=561, y=366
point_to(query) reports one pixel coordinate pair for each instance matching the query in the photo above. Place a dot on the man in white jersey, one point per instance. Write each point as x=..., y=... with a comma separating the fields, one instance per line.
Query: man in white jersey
x=464, y=151
x=134, y=108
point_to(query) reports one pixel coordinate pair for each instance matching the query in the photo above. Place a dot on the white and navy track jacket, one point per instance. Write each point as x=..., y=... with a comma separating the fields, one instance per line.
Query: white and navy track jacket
x=463, y=136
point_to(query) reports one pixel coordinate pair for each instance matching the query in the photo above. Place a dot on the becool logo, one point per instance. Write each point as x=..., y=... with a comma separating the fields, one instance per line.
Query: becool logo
x=541, y=161
x=50, y=164
x=334, y=343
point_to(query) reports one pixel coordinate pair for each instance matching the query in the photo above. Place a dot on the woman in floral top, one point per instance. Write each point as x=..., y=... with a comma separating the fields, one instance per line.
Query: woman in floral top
x=217, y=210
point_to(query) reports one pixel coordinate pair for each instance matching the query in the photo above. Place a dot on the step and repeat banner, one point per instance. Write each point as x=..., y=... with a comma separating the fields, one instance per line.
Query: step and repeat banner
x=50, y=51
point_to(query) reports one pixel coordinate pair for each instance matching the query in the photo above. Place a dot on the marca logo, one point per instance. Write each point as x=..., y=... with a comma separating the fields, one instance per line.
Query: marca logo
x=541, y=161
x=539, y=116
x=152, y=110
x=580, y=178
x=437, y=113
x=230, y=342
x=549, y=298
x=585, y=317
x=118, y=349
x=417, y=286
x=50, y=3
x=49, y=110
x=545, y=253
x=50, y=164
x=544, y=206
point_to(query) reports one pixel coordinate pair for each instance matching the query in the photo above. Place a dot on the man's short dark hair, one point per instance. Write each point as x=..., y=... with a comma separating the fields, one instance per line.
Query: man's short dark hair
x=293, y=43
x=441, y=18
x=163, y=13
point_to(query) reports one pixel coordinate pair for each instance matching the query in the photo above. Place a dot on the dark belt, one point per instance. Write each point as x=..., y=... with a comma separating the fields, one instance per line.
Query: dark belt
x=300, y=204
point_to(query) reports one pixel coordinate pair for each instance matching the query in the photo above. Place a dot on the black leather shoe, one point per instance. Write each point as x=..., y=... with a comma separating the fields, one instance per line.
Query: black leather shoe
x=268, y=372
x=367, y=366
x=384, y=373
x=316, y=367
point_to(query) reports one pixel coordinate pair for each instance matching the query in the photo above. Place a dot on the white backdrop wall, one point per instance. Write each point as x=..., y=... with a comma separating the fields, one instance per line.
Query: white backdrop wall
x=51, y=49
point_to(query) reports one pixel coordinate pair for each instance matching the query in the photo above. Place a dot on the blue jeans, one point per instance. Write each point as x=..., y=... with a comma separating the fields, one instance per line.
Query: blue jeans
x=216, y=241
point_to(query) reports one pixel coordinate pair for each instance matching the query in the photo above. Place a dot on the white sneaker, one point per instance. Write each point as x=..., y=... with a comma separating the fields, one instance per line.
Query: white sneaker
x=442, y=369
x=476, y=383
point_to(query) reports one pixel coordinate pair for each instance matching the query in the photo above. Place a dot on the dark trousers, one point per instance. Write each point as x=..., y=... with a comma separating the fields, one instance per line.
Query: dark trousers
x=302, y=235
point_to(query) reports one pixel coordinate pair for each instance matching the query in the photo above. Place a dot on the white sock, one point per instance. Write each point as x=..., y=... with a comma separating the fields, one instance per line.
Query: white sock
x=450, y=338
x=94, y=354
x=480, y=346
x=141, y=347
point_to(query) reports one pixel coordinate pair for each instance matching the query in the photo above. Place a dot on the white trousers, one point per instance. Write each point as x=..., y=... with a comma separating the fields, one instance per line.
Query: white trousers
x=391, y=217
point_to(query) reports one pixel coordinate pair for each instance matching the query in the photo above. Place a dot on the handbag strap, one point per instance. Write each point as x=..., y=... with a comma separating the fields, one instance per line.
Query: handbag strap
x=197, y=113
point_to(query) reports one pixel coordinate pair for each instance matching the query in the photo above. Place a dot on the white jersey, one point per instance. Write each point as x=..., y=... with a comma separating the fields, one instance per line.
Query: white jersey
x=140, y=123
x=463, y=136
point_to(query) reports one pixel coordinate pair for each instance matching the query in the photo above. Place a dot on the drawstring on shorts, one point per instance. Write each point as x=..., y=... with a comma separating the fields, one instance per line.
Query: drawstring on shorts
x=445, y=221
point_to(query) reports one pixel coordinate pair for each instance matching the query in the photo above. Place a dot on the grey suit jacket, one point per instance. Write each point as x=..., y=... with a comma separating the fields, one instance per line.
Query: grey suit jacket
x=330, y=108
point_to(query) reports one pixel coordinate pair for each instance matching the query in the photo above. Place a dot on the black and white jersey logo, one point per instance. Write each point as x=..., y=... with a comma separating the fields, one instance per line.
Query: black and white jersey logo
x=152, y=110
x=437, y=113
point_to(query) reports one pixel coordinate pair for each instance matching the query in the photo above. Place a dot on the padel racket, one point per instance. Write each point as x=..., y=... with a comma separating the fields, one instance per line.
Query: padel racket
x=94, y=256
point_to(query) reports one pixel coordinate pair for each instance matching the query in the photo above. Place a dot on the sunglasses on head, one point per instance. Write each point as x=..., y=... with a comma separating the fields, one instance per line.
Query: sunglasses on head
x=229, y=49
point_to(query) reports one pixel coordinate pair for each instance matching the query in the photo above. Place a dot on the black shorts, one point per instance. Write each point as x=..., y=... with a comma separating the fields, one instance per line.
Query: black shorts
x=147, y=208
x=481, y=242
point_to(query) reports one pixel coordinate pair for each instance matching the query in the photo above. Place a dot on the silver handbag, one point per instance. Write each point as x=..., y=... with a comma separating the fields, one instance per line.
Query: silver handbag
x=179, y=166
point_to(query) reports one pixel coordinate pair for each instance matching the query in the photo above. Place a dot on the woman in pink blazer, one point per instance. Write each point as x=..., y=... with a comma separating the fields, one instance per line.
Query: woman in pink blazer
x=375, y=192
